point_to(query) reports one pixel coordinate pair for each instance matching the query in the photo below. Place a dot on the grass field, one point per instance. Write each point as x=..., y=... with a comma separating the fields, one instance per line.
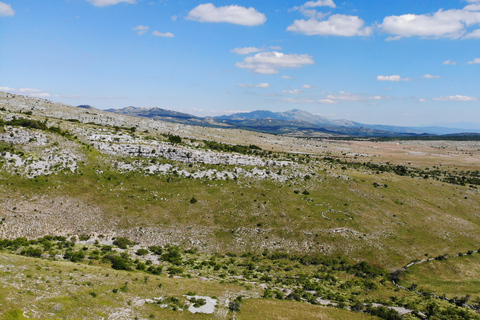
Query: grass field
x=386, y=203
x=454, y=277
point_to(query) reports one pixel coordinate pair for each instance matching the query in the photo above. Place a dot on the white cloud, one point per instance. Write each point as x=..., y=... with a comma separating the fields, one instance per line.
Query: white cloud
x=260, y=85
x=26, y=92
x=174, y=18
x=275, y=48
x=230, y=14
x=456, y=98
x=320, y=3
x=422, y=100
x=307, y=10
x=441, y=24
x=429, y=76
x=296, y=91
x=475, y=61
x=271, y=62
x=394, y=78
x=327, y=101
x=6, y=10
x=309, y=101
x=105, y=3
x=287, y=77
x=141, y=29
x=336, y=25
x=475, y=34
x=291, y=100
x=246, y=50
x=348, y=96
x=313, y=14
x=307, y=86
x=160, y=34
x=450, y=62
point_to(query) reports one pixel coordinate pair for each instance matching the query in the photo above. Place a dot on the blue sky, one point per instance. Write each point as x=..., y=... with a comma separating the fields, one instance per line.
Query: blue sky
x=400, y=62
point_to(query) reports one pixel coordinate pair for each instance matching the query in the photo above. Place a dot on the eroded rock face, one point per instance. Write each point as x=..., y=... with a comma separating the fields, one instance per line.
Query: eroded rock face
x=170, y=152
x=41, y=156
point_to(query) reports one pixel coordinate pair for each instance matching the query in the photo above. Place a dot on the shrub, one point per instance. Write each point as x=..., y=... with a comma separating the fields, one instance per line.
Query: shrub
x=175, y=270
x=122, y=243
x=156, y=249
x=32, y=252
x=197, y=303
x=74, y=256
x=84, y=237
x=173, y=255
x=119, y=263
x=174, y=139
x=141, y=252
x=234, y=306
x=383, y=313
x=155, y=270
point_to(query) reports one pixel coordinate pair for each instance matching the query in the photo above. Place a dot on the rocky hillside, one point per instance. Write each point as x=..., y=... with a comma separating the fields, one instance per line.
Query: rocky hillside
x=83, y=170
x=255, y=215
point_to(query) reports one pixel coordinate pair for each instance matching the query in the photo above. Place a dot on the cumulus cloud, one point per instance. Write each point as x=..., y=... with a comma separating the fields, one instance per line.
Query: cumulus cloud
x=271, y=62
x=260, y=85
x=26, y=92
x=335, y=25
x=6, y=10
x=230, y=14
x=456, y=98
x=327, y=101
x=450, y=62
x=165, y=35
x=394, y=78
x=309, y=101
x=429, y=76
x=307, y=86
x=308, y=11
x=292, y=100
x=441, y=24
x=287, y=77
x=348, y=96
x=320, y=3
x=246, y=50
x=105, y=3
x=141, y=29
x=296, y=91
x=475, y=61
x=475, y=34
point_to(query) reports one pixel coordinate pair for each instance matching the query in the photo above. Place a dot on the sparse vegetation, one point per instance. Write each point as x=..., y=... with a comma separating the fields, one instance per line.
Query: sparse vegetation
x=318, y=227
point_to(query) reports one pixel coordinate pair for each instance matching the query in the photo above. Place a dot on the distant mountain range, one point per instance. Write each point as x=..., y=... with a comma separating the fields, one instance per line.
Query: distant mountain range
x=294, y=122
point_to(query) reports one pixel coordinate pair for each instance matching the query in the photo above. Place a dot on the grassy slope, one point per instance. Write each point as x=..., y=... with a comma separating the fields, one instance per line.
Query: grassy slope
x=283, y=310
x=390, y=226
x=43, y=289
x=457, y=276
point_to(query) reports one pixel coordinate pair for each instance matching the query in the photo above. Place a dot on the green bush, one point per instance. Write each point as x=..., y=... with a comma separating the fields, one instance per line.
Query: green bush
x=122, y=243
x=74, y=256
x=141, y=252
x=32, y=252
x=119, y=262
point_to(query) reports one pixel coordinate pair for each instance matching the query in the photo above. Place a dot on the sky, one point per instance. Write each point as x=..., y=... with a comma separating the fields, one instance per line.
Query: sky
x=397, y=62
